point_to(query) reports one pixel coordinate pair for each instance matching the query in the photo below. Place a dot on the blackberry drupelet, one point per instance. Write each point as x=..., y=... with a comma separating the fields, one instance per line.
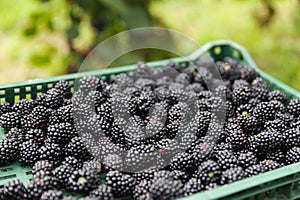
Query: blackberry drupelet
x=53, y=195
x=102, y=192
x=121, y=184
x=10, y=120
x=14, y=189
x=292, y=155
x=8, y=151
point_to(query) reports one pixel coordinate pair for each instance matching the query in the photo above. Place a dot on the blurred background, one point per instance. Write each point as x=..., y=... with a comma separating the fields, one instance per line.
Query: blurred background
x=41, y=38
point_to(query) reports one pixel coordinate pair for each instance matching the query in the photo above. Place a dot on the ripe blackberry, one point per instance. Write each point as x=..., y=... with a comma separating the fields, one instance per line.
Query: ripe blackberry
x=226, y=159
x=260, y=94
x=65, y=114
x=193, y=186
x=53, y=195
x=241, y=95
x=53, y=99
x=260, y=83
x=50, y=151
x=121, y=184
x=294, y=107
x=240, y=83
x=232, y=174
x=182, y=161
x=246, y=159
x=39, y=185
x=14, y=189
x=167, y=148
x=42, y=167
x=248, y=74
x=254, y=170
x=174, y=65
x=155, y=128
x=17, y=136
x=163, y=174
x=208, y=172
x=147, y=174
x=248, y=123
x=8, y=151
x=83, y=181
x=292, y=155
x=5, y=108
x=29, y=152
x=91, y=83
x=268, y=165
x=61, y=133
x=265, y=141
x=195, y=87
x=40, y=116
x=102, y=192
x=266, y=111
x=201, y=149
x=200, y=123
x=142, y=71
x=27, y=123
x=277, y=156
x=63, y=173
x=277, y=95
x=277, y=125
x=166, y=189
x=237, y=139
x=24, y=106
x=37, y=135
x=113, y=161
x=65, y=88
x=292, y=138
x=72, y=161
x=10, y=120
x=179, y=112
x=142, y=188
x=141, y=157
x=77, y=148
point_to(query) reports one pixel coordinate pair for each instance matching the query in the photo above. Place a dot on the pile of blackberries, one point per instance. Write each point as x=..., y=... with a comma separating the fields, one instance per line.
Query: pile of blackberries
x=155, y=134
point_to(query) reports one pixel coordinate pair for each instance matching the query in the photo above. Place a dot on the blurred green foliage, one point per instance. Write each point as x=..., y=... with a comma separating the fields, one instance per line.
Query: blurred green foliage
x=40, y=38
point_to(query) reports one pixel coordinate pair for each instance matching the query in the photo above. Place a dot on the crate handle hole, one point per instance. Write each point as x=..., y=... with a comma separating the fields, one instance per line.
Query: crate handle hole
x=235, y=54
x=217, y=50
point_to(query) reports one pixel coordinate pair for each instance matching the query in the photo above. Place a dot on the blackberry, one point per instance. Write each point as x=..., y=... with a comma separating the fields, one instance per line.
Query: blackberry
x=202, y=149
x=141, y=104
x=246, y=159
x=163, y=174
x=248, y=74
x=195, y=87
x=292, y=155
x=10, y=120
x=277, y=125
x=141, y=189
x=260, y=94
x=232, y=174
x=53, y=99
x=37, y=135
x=237, y=139
x=65, y=114
x=65, y=88
x=174, y=65
x=277, y=156
x=14, y=189
x=155, y=128
x=200, y=123
x=241, y=95
x=121, y=184
x=147, y=175
x=141, y=157
x=53, y=195
x=260, y=83
x=61, y=133
x=72, y=161
x=29, y=152
x=62, y=173
x=166, y=189
x=294, y=107
x=240, y=83
x=16, y=135
x=181, y=176
x=223, y=92
x=113, y=161
x=292, y=137
x=248, y=123
x=24, y=106
x=226, y=159
x=268, y=165
x=208, y=172
x=50, y=151
x=92, y=165
x=39, y=185
x=91, y=83
x=182, y=161
x=254, y=170
x=265, y=141
x=277, y=95
x=193, y=186
x=77, y=148
x=83, y=181
x=5, y=108
x=40, y=116
x=102, y=192
x=167, y=148
x=142, y=71
x=266, y=111
x=43, y=166
x=8, y=151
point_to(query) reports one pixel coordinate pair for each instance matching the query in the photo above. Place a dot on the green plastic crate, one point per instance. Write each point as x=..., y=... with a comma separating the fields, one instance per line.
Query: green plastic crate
x=283, y=183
